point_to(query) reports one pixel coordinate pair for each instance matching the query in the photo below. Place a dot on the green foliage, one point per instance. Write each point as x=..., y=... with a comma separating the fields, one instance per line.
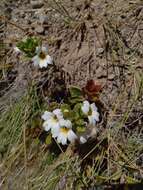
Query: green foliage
x=76, y=100
x=53, y=105
x=75, y=92
x=66, y=110
x=81, y=129
x=76, y=95
x=71, y=110
x=28, y=46
x=48, y=139
x=16, y=118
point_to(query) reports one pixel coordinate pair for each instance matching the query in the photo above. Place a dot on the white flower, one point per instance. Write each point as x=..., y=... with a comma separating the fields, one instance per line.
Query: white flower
x=91, y=111
x=52, y=121
x=17, y=50
x=82, y=140
x=42, y=59
x=66, y=132
x=65, y=123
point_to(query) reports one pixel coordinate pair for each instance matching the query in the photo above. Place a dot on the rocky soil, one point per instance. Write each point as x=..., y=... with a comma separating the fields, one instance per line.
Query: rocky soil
x=88, y=39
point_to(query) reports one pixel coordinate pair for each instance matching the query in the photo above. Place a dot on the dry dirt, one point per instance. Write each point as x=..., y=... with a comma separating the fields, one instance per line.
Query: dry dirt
x=91, y=39
x=88, y=39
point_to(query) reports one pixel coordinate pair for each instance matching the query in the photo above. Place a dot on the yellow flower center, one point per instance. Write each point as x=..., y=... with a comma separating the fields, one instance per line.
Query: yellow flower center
x=42, y=55
x=64, y=130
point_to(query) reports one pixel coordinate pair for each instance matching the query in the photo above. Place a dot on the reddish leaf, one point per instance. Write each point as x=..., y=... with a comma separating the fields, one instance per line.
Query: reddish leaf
x=92, y=88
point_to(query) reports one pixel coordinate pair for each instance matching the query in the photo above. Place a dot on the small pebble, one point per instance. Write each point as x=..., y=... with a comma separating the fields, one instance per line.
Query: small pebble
x=101, y=73
x=100, y=51
x=44, y=19
x=111, y=76
x=39, y=29
x=36, y=4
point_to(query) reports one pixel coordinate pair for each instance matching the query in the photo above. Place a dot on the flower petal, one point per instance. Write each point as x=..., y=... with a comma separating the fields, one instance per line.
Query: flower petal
x=58, y=113
x=44, y=49
x=95, y=115
x=46, y=125
x=47, y=115
x=82, y=140
x=71, y=136
x=43, y=63
x=55, y=132
x=55, y=125
x=59, y=138
x=91, y=119
x=62, y=139
x=85, y=107
x=36, y=60
x=55, y=129
x=68, y=124
x=49, y=59
x=62, y=123
x=65, y=123
x=17, y=50
x=38, y=50
x=93, y=107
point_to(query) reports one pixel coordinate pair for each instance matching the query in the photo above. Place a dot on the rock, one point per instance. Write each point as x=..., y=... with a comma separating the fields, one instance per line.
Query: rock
x=37, y=4
x=100, y=52
x=46, y=32
x=44, y=19
x=27, y=21
x=22, y=14
x=101, y=73
x=39, y=29
x=111, y=76
x=8, y=12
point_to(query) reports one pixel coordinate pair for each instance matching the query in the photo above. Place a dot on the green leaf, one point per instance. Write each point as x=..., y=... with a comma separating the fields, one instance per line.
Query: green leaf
x=53, y=105
x=77, y=107
x=76, y=100
x=37, y=141
x=48, y=139
x=76, y=111
x=65, y=108
x=80, y=122
x=28, y=46
x=75, y=92
x=81, y=129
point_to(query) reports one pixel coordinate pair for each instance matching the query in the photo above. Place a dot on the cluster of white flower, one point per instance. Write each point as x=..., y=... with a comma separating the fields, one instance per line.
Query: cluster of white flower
x=90, y=110
x=61, y=128
x=41, y=59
